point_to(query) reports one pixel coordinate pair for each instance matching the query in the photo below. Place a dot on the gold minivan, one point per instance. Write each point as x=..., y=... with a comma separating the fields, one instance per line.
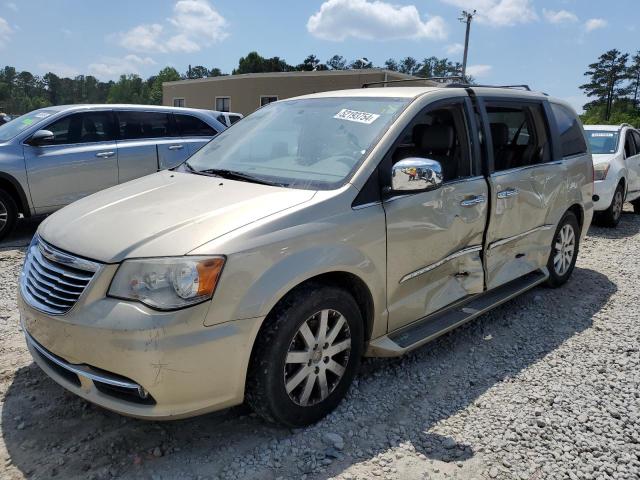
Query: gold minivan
x=318, y=230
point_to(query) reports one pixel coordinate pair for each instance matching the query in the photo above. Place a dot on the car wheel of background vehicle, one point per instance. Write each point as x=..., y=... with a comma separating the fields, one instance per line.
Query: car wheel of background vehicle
x=306, y=356
x=8, y=214
x=564, y=250
x=611, y=216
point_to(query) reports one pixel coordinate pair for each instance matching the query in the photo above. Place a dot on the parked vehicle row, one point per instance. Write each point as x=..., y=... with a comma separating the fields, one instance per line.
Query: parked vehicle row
x=616, y=161
x=57, y=155
x=317, y=230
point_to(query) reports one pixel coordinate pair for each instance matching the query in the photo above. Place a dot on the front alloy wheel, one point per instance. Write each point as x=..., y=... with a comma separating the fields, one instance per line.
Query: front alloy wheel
x=317, y=357
x=306, y=355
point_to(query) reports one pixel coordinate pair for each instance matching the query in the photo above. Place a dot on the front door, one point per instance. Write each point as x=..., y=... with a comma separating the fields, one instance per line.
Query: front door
x=82, y=159
x=633, y=165
x=526, y=184
x=434, y=238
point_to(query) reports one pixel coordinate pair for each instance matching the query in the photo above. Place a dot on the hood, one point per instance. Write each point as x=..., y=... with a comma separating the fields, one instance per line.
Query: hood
x=164, y=214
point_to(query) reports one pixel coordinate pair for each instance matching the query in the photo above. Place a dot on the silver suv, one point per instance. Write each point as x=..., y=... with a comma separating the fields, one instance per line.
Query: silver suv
x=56, y=155
x=315, y=231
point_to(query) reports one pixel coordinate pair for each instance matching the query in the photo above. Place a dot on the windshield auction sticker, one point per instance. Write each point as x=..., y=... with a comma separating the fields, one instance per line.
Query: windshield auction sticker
x=355, y=116
x=602, y=134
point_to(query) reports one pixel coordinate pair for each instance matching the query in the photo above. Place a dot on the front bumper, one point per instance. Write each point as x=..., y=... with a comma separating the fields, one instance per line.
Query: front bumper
x=140, y=362
x=605, y=190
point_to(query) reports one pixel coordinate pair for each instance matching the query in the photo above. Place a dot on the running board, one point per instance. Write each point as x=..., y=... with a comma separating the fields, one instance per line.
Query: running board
x=438, y=323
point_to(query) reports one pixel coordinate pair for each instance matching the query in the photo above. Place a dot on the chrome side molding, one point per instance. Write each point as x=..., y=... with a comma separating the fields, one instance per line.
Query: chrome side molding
x=428, y=268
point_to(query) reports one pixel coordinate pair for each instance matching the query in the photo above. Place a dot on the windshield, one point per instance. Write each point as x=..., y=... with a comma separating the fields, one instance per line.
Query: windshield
x=313, y=143
x=18, y=125
x=602, y=141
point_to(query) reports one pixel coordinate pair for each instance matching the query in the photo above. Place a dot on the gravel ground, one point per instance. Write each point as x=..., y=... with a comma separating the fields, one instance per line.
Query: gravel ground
x=546, y=386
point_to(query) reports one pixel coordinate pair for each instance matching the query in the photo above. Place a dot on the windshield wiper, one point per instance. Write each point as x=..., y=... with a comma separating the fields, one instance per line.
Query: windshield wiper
x=235, y=175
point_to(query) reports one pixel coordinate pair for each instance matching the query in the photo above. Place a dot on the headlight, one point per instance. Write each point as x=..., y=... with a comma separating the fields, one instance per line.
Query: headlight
x=167, y=283
x=600, y=171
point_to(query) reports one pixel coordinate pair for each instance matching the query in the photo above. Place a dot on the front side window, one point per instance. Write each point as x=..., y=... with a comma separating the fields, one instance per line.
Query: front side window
x=135, y=125
x=519, y=134
x=311, y=143
x=87, y=127
x=629, y=145
x=571, y=137
x=20, y=124
x=191, y=126
x=602, y=142
x=439, y=134
x=223, y=104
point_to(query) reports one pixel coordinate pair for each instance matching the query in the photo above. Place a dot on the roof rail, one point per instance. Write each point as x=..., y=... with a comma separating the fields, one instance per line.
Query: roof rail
x=626, y=125
x=386, y=82
x=468, y=85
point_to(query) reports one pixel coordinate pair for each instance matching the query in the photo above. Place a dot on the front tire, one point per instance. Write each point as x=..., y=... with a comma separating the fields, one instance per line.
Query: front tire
x=8, y=214
x=564, y=251
x=306, y=356
x=611, y=216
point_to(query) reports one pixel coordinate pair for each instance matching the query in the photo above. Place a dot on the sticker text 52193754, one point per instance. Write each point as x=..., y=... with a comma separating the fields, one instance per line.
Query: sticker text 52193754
x=355, y=116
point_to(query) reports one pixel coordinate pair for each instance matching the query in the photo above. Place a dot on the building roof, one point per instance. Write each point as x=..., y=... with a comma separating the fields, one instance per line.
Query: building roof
x=317, y=73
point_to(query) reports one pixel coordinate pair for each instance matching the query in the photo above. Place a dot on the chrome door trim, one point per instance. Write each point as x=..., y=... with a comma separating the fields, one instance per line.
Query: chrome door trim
x=428, y=268
x=520, y=235
x=526, y=167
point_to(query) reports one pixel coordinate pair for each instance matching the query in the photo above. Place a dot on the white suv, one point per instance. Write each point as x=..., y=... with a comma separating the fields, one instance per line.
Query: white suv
x=616, y=163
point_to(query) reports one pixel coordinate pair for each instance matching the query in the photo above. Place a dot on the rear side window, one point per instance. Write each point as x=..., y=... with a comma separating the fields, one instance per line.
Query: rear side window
x=572, y=140
x=135, y=125
x=234, y=118
x=87, y=127
x=190, y=126
x=519, y=134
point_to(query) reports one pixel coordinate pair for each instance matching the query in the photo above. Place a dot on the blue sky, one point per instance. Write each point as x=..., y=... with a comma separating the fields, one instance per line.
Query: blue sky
x=545, y=43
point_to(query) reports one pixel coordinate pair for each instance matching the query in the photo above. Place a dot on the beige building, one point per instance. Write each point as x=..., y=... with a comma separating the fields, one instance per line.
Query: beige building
x=246, y=93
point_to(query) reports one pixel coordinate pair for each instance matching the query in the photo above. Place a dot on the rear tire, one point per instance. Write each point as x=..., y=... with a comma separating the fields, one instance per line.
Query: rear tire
x=564, y=251
x=306, y=356
x=8, y=214
x=611, y=216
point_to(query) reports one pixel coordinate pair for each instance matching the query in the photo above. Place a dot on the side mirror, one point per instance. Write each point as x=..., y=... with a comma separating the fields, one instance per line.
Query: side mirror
x=41, y=137
x=416, y=174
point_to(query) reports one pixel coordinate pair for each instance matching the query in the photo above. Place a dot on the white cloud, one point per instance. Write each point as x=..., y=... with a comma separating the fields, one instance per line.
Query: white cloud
x=454, y=48
x=143, y=38
x=11, y=6
x=479, y=70
x=559, y=16
x=500, y=13
x=372, y=20
x=60, y=69
x=5, y=32
x=594, y=24
x=198, y=19
x=109, y=67
x=195, y=23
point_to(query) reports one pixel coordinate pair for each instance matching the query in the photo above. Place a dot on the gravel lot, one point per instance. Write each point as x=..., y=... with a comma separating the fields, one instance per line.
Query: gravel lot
x=546, y=386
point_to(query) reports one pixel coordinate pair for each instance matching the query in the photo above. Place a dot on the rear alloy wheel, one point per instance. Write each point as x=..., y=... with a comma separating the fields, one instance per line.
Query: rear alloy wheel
x=306, y=356
x=8, y=214
x=611, y=216
x=564, y=250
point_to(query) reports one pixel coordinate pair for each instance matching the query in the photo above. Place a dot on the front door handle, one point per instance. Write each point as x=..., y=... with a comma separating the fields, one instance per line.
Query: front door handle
x=475, y=200
x=105, y=154
x=509, y=192
x=176, y=147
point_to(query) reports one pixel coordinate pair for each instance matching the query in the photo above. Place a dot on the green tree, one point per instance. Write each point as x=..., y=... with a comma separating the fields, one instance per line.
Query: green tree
x=337, y=62
x=361, y=63
x=633, y=73
x=197, y=72
x=129, y=89
x=392, y=65
x=409, y=65
x=167, y=74
x=606, y=80
x=255, y=63
x=311, y=63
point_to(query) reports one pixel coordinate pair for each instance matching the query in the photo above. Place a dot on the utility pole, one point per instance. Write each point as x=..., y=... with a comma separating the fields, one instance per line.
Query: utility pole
x=466, y=17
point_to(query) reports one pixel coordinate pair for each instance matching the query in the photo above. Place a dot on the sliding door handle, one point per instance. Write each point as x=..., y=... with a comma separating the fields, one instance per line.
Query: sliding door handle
x=176, y=147
x=105, y=154
x=509, y=192
x=475, y=200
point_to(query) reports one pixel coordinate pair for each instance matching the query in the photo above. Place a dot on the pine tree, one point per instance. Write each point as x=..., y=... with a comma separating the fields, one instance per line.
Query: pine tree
x=606, y=79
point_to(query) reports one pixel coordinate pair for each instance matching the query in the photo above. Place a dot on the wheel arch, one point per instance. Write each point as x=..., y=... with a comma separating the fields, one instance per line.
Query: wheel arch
x=9, y=184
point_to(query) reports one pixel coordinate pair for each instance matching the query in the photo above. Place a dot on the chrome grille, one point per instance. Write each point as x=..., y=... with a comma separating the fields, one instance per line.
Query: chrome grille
x=52, y=281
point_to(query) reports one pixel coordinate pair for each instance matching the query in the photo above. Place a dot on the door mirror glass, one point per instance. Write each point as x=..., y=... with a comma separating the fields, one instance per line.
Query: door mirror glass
x=416, y=174
x=41, y=137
